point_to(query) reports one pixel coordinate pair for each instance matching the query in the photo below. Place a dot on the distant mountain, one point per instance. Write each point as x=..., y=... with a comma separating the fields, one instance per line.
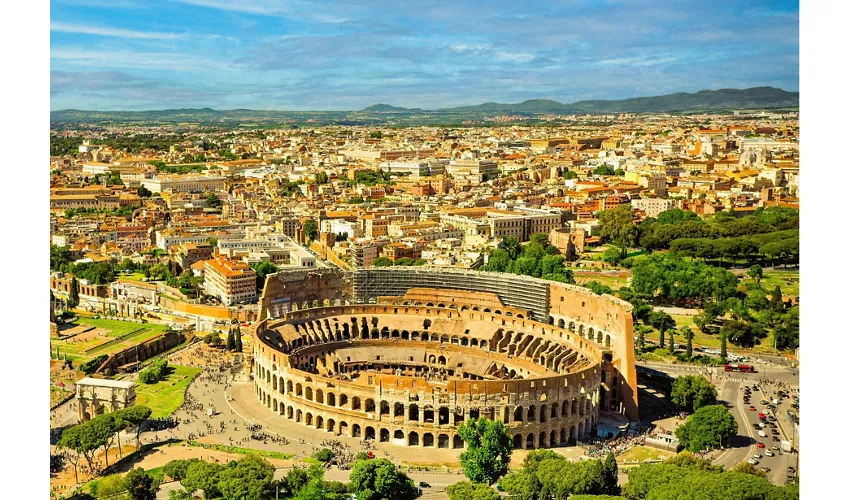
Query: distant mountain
x=704, y=100
x=386, y=108
x=756, y=97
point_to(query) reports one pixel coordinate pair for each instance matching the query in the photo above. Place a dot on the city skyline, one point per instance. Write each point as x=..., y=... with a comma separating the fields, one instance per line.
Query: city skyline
x=304, y=55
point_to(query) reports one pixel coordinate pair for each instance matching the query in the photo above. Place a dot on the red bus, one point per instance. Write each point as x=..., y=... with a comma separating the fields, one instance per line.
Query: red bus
x=739, y=368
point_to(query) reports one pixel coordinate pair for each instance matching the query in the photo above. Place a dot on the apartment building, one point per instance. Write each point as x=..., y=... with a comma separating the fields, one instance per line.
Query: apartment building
x=652, y=207
x=185, y=183
x=232, y=282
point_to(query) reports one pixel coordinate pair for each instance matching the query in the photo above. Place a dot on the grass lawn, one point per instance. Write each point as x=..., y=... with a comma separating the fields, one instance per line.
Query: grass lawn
x=643, y=453
x=613, y=282
x=136, y=332
x=118, y=328
x=246, y=451
x=788, y=281
x=164, y=397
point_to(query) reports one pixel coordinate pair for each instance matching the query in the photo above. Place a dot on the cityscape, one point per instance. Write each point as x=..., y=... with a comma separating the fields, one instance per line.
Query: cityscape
x=392, y=290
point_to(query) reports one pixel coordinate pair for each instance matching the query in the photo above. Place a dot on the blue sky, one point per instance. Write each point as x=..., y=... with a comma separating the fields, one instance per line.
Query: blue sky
x=339, y=55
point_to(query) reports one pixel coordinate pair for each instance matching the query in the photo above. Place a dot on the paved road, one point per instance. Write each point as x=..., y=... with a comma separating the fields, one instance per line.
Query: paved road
x=743, y=446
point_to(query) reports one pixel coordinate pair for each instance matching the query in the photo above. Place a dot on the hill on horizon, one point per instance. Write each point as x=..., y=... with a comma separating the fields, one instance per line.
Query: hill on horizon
x=704, y=100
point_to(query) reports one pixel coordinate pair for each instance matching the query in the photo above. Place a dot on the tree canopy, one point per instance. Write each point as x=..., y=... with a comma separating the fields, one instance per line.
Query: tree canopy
x=708, y=428
x=692, y=392
x=488, y=451
x=380, y=479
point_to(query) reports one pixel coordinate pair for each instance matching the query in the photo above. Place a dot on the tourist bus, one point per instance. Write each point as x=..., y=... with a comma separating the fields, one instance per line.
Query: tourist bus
x=739, y=368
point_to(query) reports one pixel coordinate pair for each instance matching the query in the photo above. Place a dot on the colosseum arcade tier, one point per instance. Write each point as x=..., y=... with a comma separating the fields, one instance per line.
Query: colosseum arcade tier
x=414, y=353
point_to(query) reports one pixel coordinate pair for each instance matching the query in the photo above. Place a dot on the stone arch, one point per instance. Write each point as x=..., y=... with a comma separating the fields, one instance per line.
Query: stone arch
x=308, y=418
x=543, y=413
x=443, y=416
x=518, y=414
x=331, y=399
x=298, y=390
x=553, y=438
x=384, y=435
x=457, y=442
x=355, y=403
x=320, y=422
x=355, y=430
x=413, y=413
x=517, y=441
x=561, y=323
x=607, y=341
x=398, y=410
x=289, y=413
x=531, y=414
x=320, y=396
x=413, y=439
x=428, y=440
x=398, y=434
x=464, y=342
x=331, y=425
x=384, y=408
x=565, y=409
x=289, y=387
x=369, y=405
x=542, y=440
x=554, y=412
x=441, y=360
x=308, y=393
x=529, y=442
x=343, y=400
x=443, y=441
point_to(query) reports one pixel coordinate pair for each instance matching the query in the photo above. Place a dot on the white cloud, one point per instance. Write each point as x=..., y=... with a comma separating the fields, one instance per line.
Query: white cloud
x=139, y=60
x=637, y=61
x=113, y=32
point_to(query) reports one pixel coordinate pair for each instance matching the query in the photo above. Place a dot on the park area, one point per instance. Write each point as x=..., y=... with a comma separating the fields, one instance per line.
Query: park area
x=165, y=396
x=87, y=338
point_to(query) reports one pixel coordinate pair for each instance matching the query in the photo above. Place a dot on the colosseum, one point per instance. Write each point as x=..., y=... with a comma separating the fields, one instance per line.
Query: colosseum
x=406, y=355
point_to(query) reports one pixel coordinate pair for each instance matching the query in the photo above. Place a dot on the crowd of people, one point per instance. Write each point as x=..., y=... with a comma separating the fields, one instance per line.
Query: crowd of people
x=618, y=445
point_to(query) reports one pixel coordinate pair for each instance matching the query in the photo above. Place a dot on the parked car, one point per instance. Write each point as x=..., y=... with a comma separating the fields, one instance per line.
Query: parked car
x=760, y=445
x=768, y=453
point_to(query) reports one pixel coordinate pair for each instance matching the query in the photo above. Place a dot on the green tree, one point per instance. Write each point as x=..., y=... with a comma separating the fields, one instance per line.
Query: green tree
x=689, y=337
x=404, y=261
x=321, y=178
x=59, y=257
x=231, y=343
x=213, y=201
x=295, y=480
x=264, y=269
x=311, y=230
x=144, y=192
x=111, y=486
x=618, y=226
x=708, y=428
x=237, y=337
x=692, y=392
x=324, y=455
x=74, y=294
x=776, y=300
x=488, y=452
x=757, y=273
x=250, y=478
x=742, y=333
x=382, y=262
x=609, y=475
x=723, y=355
x=380, y=479
x=176, y=469
x=140, y=485
x=203, y=476
x=466, y=490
